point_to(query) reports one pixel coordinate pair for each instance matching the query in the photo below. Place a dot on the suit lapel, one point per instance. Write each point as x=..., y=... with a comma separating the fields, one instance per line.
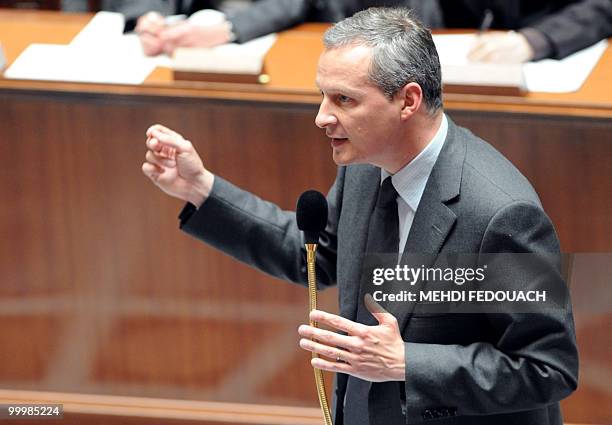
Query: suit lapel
x=433, y=220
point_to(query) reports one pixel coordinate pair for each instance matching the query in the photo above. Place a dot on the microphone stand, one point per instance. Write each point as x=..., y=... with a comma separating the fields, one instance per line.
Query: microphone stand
x=311, y=250
x=311, y=217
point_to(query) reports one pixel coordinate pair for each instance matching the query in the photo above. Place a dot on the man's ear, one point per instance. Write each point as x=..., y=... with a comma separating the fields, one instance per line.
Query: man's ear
x=411, y=97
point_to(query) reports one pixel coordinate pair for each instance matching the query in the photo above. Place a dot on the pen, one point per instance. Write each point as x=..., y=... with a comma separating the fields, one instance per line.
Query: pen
x=487, y=20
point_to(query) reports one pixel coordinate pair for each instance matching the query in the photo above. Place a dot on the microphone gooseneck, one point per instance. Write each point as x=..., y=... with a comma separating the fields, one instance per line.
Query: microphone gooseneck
x=311, y=215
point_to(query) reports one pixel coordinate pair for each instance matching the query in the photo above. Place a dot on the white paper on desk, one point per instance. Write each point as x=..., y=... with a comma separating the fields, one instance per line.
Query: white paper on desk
x=458, y=70
x=103, y=29
x=60, y=62
x=549, y=75
x=246, y=58
x=99, y=53
x=105, y=34
x=453, y=48
x=565, y=75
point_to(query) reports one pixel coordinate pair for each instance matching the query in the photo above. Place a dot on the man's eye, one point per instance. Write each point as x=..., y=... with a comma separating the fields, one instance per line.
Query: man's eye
x=343, y=99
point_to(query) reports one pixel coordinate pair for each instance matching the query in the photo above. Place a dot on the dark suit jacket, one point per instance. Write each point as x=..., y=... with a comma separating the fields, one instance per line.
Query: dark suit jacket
x=558, y=27
x=484, y=369
x=267, y=16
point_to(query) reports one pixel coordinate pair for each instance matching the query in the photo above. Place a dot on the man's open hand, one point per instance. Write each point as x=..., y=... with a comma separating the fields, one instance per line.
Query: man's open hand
x=372, y=353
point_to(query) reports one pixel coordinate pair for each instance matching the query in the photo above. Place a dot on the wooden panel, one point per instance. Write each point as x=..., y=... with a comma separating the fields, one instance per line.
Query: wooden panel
x=147, y=310
x=135, y=348
x=568, y=161
x=25, y=340
x=283, y=384
x=592, y=401
x=109, y=410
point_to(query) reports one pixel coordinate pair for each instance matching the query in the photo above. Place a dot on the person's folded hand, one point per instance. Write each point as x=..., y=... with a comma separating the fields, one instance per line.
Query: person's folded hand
x=148, y=28
x=501, y=47
x=188, y=34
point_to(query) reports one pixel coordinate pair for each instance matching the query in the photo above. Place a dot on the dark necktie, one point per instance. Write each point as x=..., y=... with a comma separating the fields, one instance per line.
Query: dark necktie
x=383, y=237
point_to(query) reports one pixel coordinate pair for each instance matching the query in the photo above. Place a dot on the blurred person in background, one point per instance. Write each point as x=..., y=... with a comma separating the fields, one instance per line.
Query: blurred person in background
x=532, y=30
x=151, y=17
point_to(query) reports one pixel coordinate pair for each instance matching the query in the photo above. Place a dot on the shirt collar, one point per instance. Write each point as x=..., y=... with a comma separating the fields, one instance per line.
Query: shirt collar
x=410, y=181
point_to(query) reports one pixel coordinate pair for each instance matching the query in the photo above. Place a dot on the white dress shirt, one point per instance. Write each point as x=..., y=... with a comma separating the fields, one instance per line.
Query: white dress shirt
x=410, y=181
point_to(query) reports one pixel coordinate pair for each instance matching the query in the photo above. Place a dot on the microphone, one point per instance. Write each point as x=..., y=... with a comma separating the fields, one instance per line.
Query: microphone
x=311, y=215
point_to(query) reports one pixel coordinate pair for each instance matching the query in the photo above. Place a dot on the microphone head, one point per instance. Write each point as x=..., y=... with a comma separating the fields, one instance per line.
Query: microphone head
x=311, y=214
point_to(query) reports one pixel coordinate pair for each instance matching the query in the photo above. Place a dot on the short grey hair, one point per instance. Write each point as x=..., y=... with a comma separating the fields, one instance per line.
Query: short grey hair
x=403, y=50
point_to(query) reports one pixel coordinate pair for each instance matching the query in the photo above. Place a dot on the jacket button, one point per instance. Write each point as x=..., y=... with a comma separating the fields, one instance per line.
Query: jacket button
x=427, y=414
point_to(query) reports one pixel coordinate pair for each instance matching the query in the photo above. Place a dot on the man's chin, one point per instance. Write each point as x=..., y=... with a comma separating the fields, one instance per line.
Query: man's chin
x=339, y=158
x=342, y=158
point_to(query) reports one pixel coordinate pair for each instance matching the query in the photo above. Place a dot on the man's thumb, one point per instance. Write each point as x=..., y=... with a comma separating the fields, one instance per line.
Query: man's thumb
x=382, y=315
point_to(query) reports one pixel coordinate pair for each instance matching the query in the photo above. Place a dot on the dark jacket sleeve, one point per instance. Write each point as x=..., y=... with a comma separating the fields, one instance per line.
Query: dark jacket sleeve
x=573, y=28
x=531, y=363
x=268, y=16
x=260, y=234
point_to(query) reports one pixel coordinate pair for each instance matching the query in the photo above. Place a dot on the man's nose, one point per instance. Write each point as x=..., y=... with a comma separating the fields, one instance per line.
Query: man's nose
x=325, y=117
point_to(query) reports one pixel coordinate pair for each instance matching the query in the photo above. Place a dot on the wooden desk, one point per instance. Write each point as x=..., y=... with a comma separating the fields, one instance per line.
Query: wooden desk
x=101, y=294
x=79, y=409
x=292, y=71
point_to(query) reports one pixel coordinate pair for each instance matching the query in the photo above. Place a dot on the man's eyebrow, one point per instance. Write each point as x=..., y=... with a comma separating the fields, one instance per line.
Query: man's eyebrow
x=342, y=89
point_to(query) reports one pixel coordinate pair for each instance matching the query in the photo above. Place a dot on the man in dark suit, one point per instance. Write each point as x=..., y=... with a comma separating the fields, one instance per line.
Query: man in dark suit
x=443, y=191
x=539, y=29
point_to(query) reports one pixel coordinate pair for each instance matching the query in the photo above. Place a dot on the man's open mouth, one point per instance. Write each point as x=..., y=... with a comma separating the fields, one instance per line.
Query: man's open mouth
x=337, y=141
